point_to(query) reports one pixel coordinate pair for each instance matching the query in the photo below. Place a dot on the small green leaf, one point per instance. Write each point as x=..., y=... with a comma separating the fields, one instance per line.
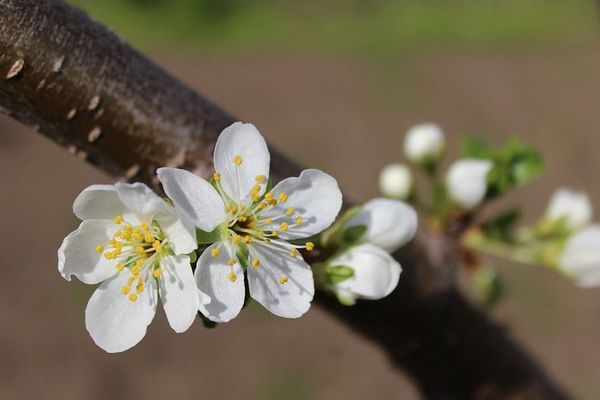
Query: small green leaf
x=333, y=235
x=502, y=226
x=475, y=147
x=207, y=322
x=345, y=301
x=339, y=273
x=193, y=257
x=208, y=237
x=487, y=286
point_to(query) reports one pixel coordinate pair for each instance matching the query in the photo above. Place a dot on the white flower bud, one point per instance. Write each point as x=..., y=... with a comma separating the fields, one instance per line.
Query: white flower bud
x=396, y=180
x=376, y=273
x=466, y=181
x=580, y=258
x=390, y=223
x=573, y=207
x=424, y=142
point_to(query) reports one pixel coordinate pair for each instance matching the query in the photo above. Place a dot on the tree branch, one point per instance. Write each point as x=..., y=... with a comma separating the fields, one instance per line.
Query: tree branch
x=82, y=86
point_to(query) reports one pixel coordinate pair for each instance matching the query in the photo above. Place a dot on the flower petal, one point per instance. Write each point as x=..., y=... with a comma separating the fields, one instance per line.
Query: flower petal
x=180, y=233
x=314, y=196
x=282, y=284
x=99, y=202
x=376, y=273
x=581, y=257
x=466, y=181
x=140, y=199
x=116, y=323
x=194, y=197
x=178, y=292
x=243, y=143
x=390, y=223
x=574, y=207
x=213, y=281
x=77, y=254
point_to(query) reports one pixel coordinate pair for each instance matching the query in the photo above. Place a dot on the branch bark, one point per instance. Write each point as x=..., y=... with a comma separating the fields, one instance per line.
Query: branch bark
x=81, y=85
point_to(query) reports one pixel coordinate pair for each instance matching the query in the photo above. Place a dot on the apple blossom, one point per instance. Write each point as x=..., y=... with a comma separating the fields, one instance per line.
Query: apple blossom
x=466, y=181
x=396, y=180
x=572, y=207
x=580, y=258
x=424, y=143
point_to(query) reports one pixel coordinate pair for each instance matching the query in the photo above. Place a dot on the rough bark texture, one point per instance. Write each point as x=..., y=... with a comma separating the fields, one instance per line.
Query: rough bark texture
x=81, y=85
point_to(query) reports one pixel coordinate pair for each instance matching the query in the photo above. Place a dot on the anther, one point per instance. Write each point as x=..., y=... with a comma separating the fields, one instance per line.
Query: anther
x=215, y=252
x=132, y=297
x=157, y=246
x=120, y=266
x=247, y=239
x=139, y=250
x=299, y=220
x=290, y=211
x=293, y=253
x=283, y=280
x=310, y=246
x=118, y=219
x=283, y=226
x=282, y=197
x=156, y=273
x=237, y=160
x=259, y=178
x=125, y=289
x=217, y=177
x=231, y=262
x=99, y=249
x=256, y=263
x=232, y=277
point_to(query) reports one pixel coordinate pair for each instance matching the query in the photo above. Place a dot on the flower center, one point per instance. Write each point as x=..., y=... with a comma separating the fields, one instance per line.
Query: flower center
x=137, y=249
x=249, y=222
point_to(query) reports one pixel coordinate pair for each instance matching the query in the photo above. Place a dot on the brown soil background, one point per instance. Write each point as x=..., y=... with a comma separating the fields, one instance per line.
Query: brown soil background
x=346, y=116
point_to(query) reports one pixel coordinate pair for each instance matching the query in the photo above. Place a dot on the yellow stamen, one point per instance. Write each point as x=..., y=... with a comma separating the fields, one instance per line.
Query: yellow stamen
x=310, y=246
x=99, y=249
x=120, y=266
x=156, y=273
x=282, y=197
x=148, y=237
x=247, y=239
x=293, y=253
x=231, y=261
x=274, y=233
x=118, y=219
x=132, y=297
x=283, y=226
x=130, y=280
x=237, y=239
x=256, y=263
x=216, y=176
x=232, y=277
x=125, y=289
x=135, y=270
x=157, y=246
x=243, y=218
x=283, y=280
x=215, y=252
x=238, y=160
x=259, y=178
x=299, y=220
x=290, y=210
x=139, y=250
x=269, y=196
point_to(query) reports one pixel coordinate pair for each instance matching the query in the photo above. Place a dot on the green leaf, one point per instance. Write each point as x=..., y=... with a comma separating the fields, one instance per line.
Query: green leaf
x=475, y=147
x=487, y=286
x=353, y=234
x=208, y=237
x=502, y=226
x=339, y=273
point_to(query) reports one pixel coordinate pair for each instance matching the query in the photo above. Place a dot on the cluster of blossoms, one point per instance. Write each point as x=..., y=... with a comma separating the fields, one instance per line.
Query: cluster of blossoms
x=564, y=238
x=250, y=237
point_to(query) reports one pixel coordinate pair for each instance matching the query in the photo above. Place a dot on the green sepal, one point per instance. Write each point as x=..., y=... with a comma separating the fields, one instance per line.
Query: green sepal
x=193, y=257
x=353, y=234
x=203, y=237
x=502, y=226
x=334, y=235
x=207, y=322
x=339, y=273
x=242, y=254
x=487, y=286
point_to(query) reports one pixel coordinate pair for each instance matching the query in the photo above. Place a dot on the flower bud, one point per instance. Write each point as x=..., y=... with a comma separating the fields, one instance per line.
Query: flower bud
x=424, y=143
x=580, y=258
x=376, y=274
x=396, y=180
x=572, y=207
x=466, y=181
x=389, y=223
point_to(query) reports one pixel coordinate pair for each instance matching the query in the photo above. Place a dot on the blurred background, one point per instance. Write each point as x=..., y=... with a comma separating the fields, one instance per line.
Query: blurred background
x=335, y=84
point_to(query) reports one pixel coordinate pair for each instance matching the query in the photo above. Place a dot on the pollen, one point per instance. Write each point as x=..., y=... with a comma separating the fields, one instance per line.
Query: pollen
x=283, y=226
x=259, y=178
x=132, y=297
x=139, y=250
x=232, y=277
x=118, y=219
x=269, y=196
x=215, y=252
x=238, y=160
x=149, y=238
x=247, y=239
x=293, y=253
x=299, y=220
x=99, y=249
x=310, y=246
x=256, y=263
x=290, y=211
x=120, y=266
x=135, y=270
x=243, y=218
x=125, y=289
x=231, y=262
x=282, y=197
x=157, y=246
x=216, y=176
x=156, y=273
x=237, y=239
x=283, y=280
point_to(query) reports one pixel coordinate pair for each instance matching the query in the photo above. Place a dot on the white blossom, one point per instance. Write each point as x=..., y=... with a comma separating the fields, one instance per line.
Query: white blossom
x=466, y=181
x=246, y=217
x=133, y=244
x=572, y=207
x=580, y=258
x=424, y=143
x=376, y=273
x=396, y=180
x=390, y=223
